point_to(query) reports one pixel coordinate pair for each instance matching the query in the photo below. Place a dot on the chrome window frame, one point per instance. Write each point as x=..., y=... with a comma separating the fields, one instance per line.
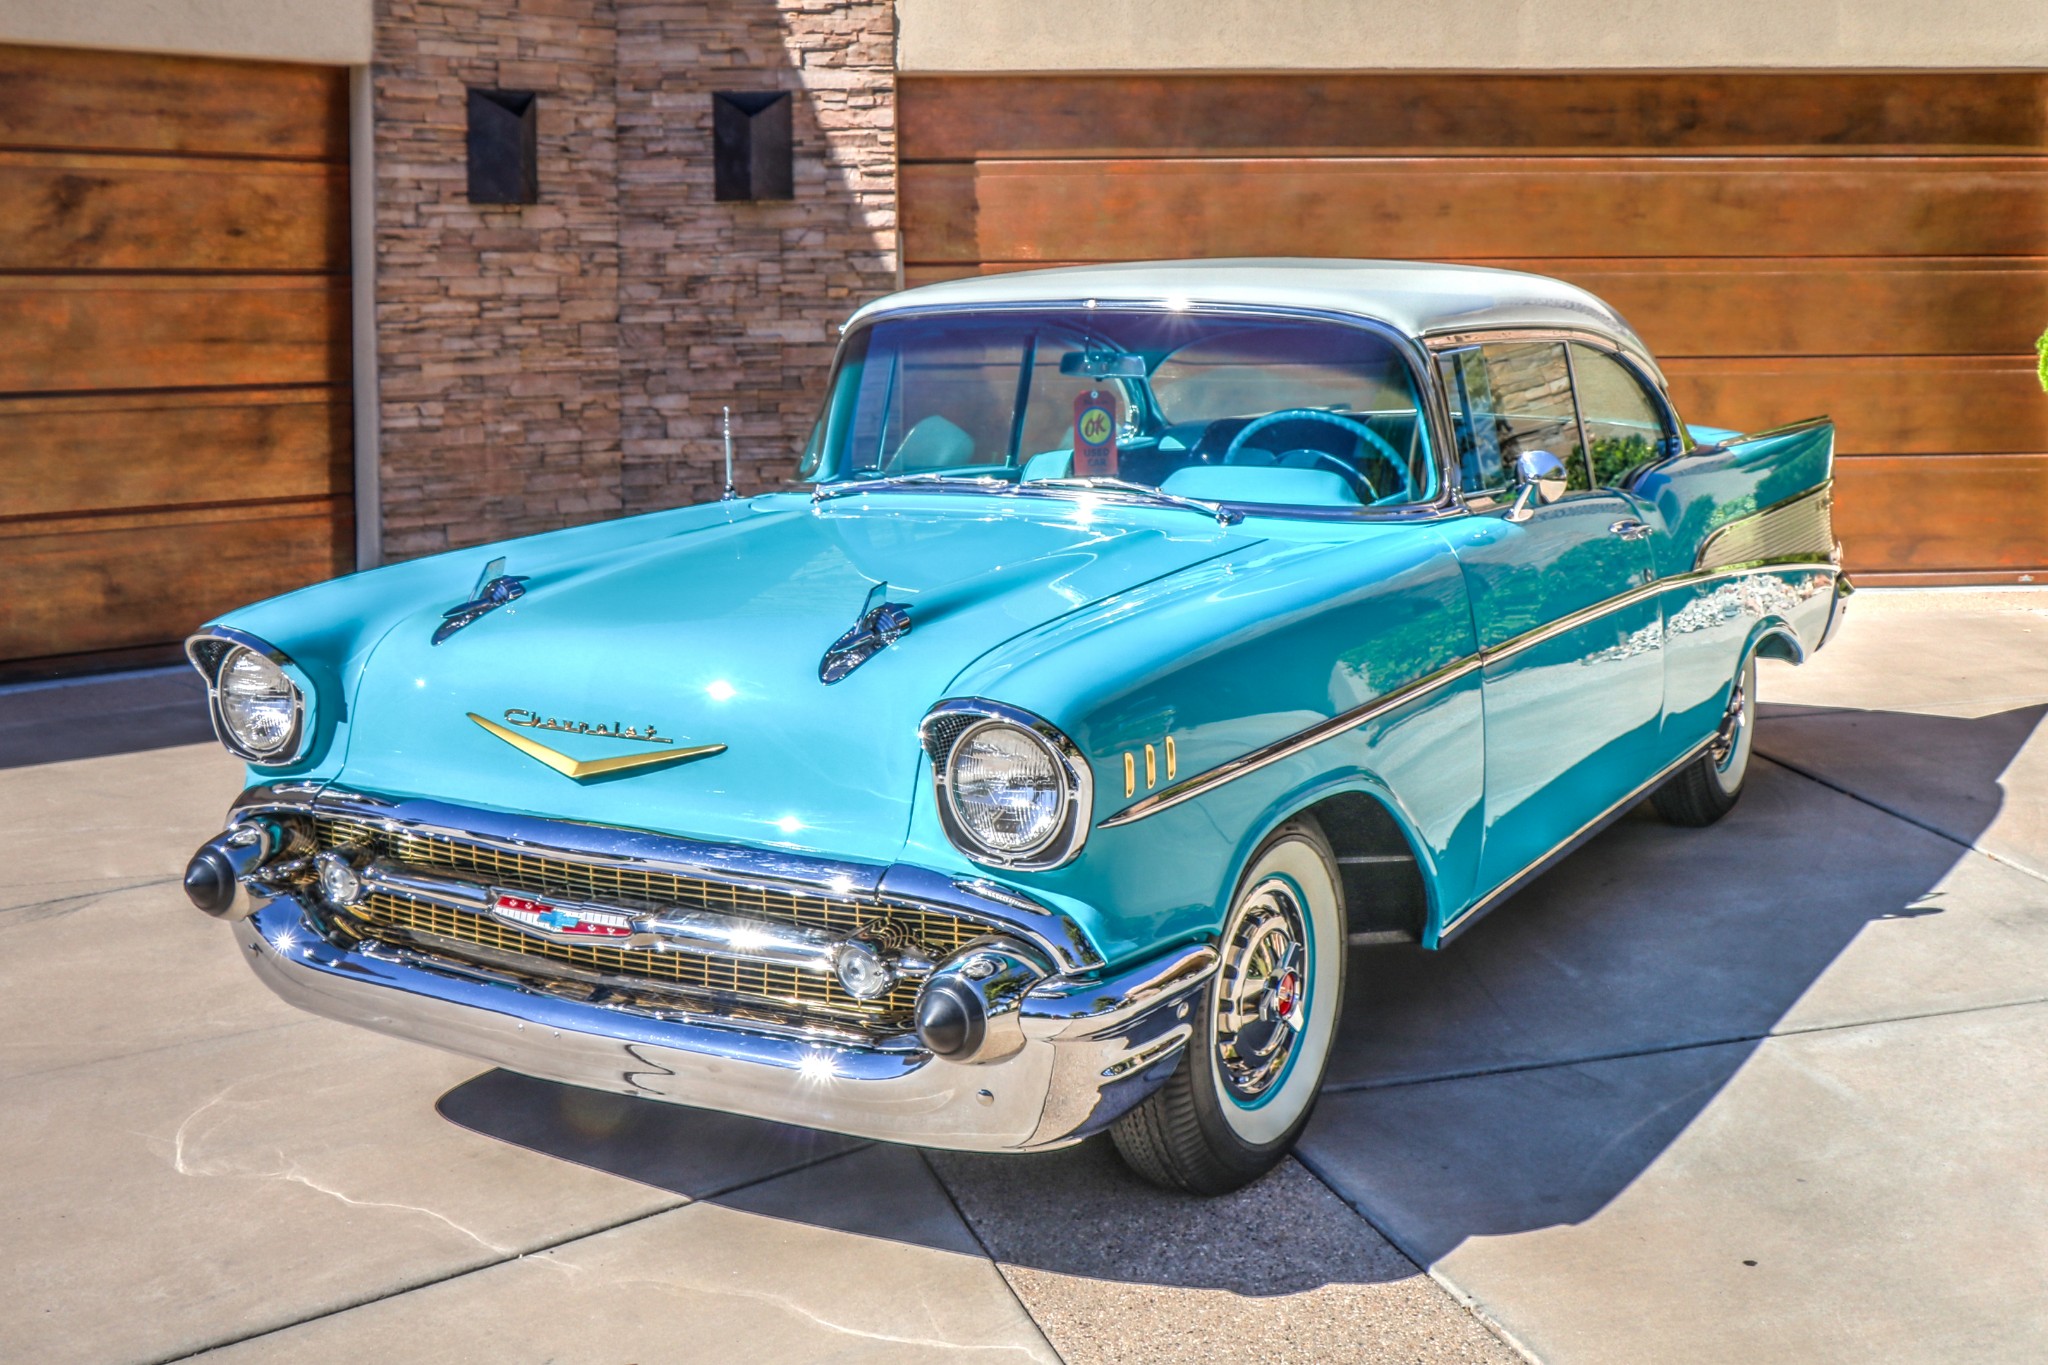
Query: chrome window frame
x=1077, y=811
x=1407, y=346
x=1441, y=343
x=208, y=662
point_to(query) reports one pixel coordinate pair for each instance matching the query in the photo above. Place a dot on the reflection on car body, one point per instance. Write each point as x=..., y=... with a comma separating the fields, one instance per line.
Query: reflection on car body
x=1139, y=638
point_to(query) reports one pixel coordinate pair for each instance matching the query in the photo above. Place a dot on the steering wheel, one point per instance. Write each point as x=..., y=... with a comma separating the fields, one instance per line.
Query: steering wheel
x=1350, y=424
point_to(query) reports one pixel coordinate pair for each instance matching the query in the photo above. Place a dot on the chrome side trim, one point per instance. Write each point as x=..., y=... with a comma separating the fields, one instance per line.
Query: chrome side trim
x=734, y=864
x=206, y=658
x=1190, y=788
x=1208, y=780
x=1566, y=845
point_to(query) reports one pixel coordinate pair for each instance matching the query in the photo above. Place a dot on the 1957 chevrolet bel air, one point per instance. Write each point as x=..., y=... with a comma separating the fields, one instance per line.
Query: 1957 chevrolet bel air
x=1145, y=636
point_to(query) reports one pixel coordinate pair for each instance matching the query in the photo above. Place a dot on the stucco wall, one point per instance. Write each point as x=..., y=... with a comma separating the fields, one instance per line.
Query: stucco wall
x=330, y=32
x=1251, y=35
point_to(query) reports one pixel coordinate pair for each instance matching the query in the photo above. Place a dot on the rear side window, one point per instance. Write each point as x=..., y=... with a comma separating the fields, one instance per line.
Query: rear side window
x=1507, y=399
x=1625, y=427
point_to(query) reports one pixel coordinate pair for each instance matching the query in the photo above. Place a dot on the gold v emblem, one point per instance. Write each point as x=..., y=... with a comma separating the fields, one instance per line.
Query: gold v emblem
x=580, y=769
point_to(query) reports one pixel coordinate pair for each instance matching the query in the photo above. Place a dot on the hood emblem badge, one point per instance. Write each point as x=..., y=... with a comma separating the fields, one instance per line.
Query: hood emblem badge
x=582, y=770
x=494, y=588
x=881, y=624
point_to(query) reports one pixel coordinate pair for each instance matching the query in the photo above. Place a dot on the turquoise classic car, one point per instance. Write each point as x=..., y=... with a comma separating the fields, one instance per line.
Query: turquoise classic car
x=1137, y=640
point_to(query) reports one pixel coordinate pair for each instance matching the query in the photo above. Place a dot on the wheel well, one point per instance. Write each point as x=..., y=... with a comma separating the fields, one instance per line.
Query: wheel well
x=1384, y=894
x=1780, y=643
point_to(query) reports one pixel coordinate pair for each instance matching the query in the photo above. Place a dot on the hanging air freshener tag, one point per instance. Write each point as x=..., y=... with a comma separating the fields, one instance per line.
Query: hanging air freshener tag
x=1095, y=434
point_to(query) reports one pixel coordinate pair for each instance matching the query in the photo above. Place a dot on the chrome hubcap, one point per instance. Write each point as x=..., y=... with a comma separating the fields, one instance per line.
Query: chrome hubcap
x=1725, y=738
x=1262, y=990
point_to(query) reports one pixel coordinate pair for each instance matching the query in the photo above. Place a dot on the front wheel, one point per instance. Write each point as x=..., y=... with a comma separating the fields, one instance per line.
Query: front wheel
x=1706, y=789
x=1248, y=1079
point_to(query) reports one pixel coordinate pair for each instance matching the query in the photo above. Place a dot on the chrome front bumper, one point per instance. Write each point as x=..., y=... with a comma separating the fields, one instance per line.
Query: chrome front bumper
x=1094, y=1044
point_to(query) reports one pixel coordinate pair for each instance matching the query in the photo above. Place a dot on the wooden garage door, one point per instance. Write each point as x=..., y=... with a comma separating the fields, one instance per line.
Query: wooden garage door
x=174, y=406
x=1873, y=246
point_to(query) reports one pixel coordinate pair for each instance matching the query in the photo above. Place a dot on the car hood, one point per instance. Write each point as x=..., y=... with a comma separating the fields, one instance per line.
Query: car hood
x=714, y=636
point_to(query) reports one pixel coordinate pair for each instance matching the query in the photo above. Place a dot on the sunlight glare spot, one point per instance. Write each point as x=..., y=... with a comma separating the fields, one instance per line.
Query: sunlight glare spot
x=720, y=691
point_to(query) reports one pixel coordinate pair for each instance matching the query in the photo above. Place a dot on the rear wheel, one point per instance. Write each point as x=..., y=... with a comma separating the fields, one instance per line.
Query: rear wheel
x=1707, y=788
x=1248, y=1079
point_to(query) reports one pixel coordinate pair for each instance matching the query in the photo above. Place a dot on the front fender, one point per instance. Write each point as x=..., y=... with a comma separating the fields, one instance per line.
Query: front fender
x=1222, y=661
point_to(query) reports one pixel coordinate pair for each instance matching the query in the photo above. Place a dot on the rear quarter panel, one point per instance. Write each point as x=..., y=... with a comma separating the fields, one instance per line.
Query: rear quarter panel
x=1744, y=537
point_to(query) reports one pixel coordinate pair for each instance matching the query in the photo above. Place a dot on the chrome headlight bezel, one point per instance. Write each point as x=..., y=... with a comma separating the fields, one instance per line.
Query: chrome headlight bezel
x=950, y=722
x=210, y=650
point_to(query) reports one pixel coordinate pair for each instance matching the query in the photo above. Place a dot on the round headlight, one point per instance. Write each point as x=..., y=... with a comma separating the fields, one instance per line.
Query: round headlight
x=258, y=703
x=1006, y=788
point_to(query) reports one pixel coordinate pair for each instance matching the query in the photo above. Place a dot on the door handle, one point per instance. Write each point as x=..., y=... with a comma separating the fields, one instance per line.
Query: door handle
x=1628, y=528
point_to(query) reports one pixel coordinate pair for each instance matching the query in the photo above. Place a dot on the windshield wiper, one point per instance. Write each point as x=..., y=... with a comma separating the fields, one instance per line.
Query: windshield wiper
x=1143, y=492
x=980, y=483
x=1136, y=492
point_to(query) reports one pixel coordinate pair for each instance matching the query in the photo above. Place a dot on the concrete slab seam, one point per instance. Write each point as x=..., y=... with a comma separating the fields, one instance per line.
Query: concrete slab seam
x=1002, y=1273
x=1458, y=1295
x=85, y=896
x=1877, y=805
x=208, y=1040
x=1588, y=1059
x=681, y=1201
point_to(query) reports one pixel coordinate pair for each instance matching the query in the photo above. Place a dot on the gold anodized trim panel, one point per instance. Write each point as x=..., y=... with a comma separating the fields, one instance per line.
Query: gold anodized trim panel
x=585, y=768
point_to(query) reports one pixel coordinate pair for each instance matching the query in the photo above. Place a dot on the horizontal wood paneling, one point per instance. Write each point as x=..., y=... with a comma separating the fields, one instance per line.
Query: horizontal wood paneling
x=70, y=334
x=1870, y=245
x=60, y=211
x=1814, y=306
x=1943, y=515
x=966, y=118
x=91, y=584
x=1992, y=405
x=175, y=426
x=1902, y=306
x=71, y=455
x=1440, y=208
x=134, y=101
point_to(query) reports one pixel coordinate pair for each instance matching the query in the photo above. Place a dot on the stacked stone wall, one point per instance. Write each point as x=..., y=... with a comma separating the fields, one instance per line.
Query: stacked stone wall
x=548, y=364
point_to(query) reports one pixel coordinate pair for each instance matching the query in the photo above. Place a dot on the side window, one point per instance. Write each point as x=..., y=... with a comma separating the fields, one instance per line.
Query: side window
x=1624, y=424
x=1507, y=399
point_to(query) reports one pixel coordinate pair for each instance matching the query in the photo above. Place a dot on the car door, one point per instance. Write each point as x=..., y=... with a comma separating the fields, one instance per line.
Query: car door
x=1573, y=680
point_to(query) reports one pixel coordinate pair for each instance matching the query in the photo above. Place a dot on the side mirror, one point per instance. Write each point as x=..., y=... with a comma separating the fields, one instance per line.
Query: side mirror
x=1541, y=476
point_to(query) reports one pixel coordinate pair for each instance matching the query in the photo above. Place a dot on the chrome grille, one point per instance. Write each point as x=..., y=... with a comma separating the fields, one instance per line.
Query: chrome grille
x=400, y=918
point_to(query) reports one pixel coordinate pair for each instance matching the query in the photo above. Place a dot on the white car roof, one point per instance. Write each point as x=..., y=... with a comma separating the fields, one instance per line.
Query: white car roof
x=1420, y=298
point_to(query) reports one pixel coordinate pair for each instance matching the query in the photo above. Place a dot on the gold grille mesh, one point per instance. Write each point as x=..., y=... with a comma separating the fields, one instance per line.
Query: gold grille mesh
x=936, y=932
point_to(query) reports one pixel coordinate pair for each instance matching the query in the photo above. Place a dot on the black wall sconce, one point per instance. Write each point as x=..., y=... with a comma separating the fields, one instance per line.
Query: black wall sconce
x=504, y=157
x=751, y=145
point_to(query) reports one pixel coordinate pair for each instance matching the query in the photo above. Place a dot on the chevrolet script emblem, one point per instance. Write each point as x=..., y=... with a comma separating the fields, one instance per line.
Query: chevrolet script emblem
x=582, y=769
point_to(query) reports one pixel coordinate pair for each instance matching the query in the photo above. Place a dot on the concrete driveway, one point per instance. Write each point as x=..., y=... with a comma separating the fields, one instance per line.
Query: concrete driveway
x=1770, y=1091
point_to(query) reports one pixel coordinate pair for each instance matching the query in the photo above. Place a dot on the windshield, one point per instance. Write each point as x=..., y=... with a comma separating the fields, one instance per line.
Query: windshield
x=1273, y=411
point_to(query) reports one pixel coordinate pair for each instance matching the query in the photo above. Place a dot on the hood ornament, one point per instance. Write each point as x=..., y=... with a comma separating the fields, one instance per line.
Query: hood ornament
x=494, y=588
x=881, y=624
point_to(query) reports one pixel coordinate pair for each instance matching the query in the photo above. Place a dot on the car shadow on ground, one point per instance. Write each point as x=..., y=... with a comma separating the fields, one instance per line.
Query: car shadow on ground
x=1458, y=1087
x=121, y=713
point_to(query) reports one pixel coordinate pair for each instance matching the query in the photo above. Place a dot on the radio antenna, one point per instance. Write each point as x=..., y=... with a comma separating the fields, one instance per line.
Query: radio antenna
x=730, y=493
